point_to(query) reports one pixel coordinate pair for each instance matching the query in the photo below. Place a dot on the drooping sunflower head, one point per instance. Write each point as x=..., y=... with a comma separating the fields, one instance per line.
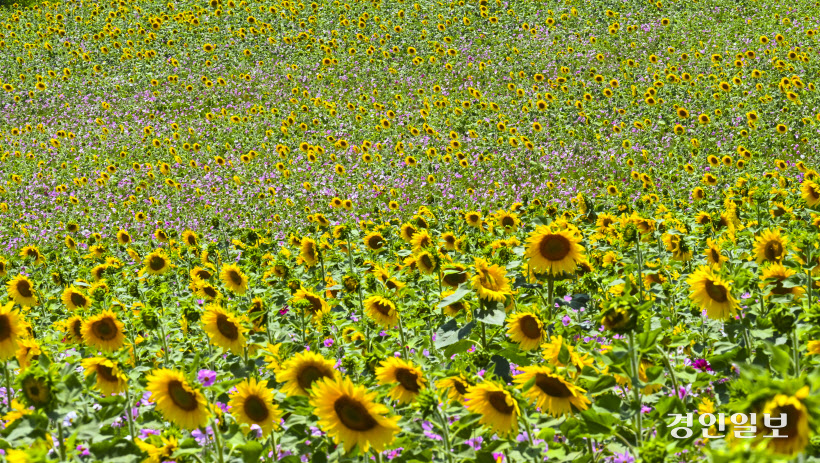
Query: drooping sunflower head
x=551, y=392
x=408, y=230
x=490, y=281
x=104, y=332
x=74, y=329
x=302, y=370
x=309, y=253
x=407, y=379
x=178, y=402
x=456, y=387
x=774, y=275
x=315, y=305
x=454, y=275
x=713, y=293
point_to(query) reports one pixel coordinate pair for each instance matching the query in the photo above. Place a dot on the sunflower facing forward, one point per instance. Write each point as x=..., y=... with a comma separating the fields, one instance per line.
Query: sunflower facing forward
x=711, y=292
x=498, y=409
x=407, y=379
x=21, y=290
x=550, y=392
x=554, y=250
x=302, y=370
x=252, y=403
x=156, y=263
x=234, y=279
x=796, y=431
x=526, y=329
x=177, y=400
x=110, y=379
x=224, y=329
x=104, y=332
x=74, y=299
x=382, y=310
x=770, y=246
x=351, y=416
x=10, y=331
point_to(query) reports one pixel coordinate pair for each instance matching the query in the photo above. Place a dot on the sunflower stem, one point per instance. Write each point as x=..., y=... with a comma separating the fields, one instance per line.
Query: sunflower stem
x=165, y=352
x=128, y=413
x=444, y=428
x=273, y=445
x=60, y=439
x=640, y=268
x=550, y=295
x=668, y=367
x=529, y=433
x=635, y=388
x=403, y=343
x=795, y=351
x=218, y=441
x=9, y=391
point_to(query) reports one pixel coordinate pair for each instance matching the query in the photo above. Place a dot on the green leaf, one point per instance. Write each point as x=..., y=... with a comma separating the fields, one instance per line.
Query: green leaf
x=252, y=451
x=455, y=297
x=602, y=384
x=648, y=340
x=491, y=313
x=449, y=333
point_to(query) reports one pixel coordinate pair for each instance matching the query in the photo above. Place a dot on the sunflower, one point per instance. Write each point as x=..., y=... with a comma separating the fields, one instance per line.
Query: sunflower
x=526, y=329
x=11, y=329
x=252, y=403
x=110, y=379
x=257, y=314
x=316, y=306
x=456, y=387
x=554, y=250
x=449, y=241
x=309, y=253
x=550, y=392
x=206, y=290
x=178, y=402
x=156, y=263
x=490, y=281
x=74, y=329
x=158, y=454
x=498, y=409
x=224, y=329
x=37, y=386
x=351, y=416
x=74, y=299
x=796, y=431
x=189, y=238
x=810, y=191
x=421, y=240
x=454, y=275
x=382, y=310
x=31, y=252
x=104, y=332
x=21, y=290
x=425, y=262
x=374, y=241
x=300, y=372
x=407, y=379
x=408, y=231
x=770, y=246
x=473, y=219
x=776, y=274
x=712, y=293
x=28, y=350
x=508, y=221
x=713, y=253
x=234, y=279
x=123, y=237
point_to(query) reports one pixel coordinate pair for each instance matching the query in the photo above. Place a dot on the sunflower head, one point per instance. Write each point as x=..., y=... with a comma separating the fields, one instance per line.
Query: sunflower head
x=37, y=387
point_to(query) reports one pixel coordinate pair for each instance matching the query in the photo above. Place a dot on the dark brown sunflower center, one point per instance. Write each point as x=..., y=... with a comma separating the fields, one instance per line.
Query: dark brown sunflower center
x=426, y=261
x=606, y=222
x=181, y=397
x=36, y=392
x=204, y=274
x=554, y=247
x=779, y=289
x=353, y=414
x=309, y=375
x=375, y=242
x=235, y=277
x=256, y=409
x=773, y=250
x=460, y=387
x=455, y=279
x=125, y=238
x=792, y=419
x=718, y=293
x=105, y=329
x=383, y=308
x=156, y=263
x=529, y=326
x=5, y=328
x=209, y=291
x=408, y=379
x=78, y=299
x=552, y=387
x=24, y=288
x=315, y=304
x=715, y=255
x=310, y=253
x=507, y=221
x=450, y=239
x=472, y=218
x=76, y=328
x=226, y=327
x=106, y=373
x=498, y=400
x=191, y=240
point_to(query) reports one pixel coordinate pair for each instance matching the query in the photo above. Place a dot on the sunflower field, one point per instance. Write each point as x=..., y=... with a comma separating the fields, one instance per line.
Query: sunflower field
x=471, y=231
